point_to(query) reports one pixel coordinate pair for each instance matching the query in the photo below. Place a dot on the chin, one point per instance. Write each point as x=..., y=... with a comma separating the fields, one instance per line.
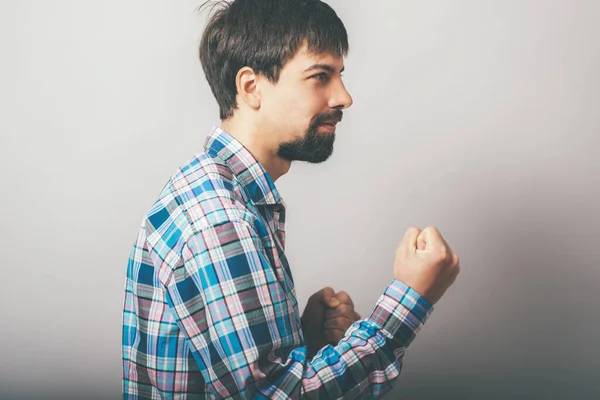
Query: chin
x=317, y=157
x=316, y=148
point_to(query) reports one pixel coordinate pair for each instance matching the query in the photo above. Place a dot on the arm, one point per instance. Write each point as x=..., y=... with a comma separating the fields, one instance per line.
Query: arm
x=230, y=305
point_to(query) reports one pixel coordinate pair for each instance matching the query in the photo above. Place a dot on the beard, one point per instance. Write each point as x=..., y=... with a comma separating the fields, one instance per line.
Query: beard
x=314, y=147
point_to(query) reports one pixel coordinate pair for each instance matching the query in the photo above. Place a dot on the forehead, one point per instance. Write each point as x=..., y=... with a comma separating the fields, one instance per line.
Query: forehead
x=305, y=59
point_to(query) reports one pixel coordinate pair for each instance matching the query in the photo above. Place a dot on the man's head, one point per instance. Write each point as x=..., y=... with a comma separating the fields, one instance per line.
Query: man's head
x=278, y=64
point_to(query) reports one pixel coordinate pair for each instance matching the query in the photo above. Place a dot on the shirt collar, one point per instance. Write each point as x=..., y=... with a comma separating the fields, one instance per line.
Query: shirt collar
x=246, y=169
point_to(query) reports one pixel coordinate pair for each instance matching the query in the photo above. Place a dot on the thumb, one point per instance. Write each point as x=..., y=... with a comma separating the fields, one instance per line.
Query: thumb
x=429, y=238
x=409, y=241
x=328, y=298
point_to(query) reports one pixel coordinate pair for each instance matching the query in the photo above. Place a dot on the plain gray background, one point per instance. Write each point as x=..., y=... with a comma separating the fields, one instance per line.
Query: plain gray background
x=478, y=117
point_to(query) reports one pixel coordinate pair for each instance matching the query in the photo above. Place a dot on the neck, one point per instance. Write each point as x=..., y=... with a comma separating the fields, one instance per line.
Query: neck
x=260, y=144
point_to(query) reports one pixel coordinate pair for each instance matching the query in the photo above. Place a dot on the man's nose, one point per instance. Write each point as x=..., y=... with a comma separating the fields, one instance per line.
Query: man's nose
x=340, y=99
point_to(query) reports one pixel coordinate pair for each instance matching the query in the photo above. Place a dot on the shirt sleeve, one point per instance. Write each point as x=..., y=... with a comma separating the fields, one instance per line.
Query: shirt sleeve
x=229, y=303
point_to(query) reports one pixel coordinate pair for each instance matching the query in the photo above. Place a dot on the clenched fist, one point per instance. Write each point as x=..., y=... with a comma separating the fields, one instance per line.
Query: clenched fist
x=339, y=319
x=425, y=262
x=326, y=317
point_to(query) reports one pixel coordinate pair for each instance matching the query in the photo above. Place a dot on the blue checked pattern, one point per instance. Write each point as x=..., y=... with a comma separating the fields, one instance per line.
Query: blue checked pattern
x=210, y=306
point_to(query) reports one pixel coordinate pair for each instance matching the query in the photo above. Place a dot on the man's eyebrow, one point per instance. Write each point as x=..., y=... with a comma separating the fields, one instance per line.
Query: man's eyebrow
x=325, y=67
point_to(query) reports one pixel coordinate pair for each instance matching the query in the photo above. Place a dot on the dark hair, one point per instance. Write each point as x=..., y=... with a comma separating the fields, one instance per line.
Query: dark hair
x=263, y=35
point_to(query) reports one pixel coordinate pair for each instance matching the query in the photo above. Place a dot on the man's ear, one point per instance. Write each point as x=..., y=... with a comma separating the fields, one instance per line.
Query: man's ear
x=247, y=88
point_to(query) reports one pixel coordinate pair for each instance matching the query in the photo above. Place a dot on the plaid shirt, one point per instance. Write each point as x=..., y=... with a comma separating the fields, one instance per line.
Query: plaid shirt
x=210, y=306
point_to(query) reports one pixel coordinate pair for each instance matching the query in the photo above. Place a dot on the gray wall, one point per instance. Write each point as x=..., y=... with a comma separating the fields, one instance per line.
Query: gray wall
x=479, y=117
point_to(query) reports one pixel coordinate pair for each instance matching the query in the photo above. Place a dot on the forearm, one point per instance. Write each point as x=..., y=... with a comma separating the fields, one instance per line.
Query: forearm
x=371, y=352
x=364, y=362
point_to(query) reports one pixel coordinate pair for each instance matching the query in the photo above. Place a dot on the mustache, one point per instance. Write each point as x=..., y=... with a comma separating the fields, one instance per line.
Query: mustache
x=328, y=118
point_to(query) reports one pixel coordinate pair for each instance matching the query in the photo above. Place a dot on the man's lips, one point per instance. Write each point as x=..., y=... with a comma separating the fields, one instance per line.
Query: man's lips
x=330, y=123
x=330, y=126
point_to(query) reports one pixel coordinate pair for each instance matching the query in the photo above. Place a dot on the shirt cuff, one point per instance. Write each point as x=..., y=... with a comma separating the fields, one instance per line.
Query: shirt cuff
x=401, y=312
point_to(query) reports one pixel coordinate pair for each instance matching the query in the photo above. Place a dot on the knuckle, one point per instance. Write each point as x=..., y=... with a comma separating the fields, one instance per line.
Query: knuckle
x=440, y=256
x=339, y=314
x=431, y=228
x=444, y=252
x=342, y=296
x=455, y=259
x=413, y=229
x=326, y=293
x=345, y=298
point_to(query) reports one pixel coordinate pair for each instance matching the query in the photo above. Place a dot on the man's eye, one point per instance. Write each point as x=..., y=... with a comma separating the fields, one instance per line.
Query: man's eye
x=321, y=77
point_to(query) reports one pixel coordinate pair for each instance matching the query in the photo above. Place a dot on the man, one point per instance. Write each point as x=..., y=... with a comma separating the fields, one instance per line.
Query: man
x=210, y=307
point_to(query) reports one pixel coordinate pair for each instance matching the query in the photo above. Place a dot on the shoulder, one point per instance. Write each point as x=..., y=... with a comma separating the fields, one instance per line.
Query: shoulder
x=200, y=194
